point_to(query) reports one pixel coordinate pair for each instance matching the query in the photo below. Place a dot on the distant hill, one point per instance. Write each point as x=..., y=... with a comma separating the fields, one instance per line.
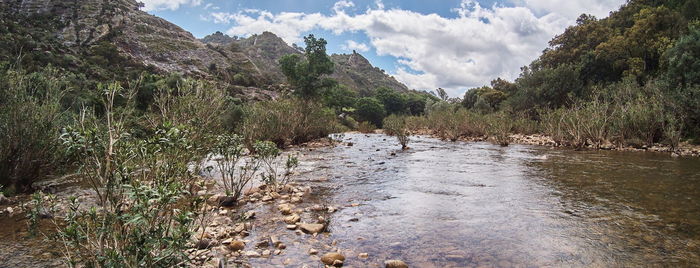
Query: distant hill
x=265, y=50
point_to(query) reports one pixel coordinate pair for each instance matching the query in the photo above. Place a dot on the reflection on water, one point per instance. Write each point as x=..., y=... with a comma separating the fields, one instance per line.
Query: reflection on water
x=475, y=204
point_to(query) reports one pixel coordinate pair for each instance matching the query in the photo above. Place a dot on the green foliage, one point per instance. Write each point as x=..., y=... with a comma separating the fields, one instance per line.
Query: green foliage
x=339, y=98
x=499, y=127
x=393, y=101
x=483, y=99
x=229, y=150
x=305, y=74
x=31, y=116
x=145, y=211
x=275, y=173
x=288, y=121
x=370, y=110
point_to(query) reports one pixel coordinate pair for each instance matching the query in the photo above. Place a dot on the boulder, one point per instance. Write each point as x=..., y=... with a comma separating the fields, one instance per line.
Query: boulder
x=332, y=257
x=205, y=244
x=236, y=245
x=312, y=228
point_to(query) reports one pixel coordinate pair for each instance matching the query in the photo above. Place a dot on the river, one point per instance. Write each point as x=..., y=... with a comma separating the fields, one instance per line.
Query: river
x=444, y=204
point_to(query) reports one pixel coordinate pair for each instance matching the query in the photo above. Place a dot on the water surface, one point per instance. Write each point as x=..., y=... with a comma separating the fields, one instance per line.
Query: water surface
x=443, y=204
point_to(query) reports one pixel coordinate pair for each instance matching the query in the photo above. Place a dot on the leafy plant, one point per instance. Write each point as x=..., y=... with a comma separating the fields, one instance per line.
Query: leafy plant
x=274, y=173
x=230, y=149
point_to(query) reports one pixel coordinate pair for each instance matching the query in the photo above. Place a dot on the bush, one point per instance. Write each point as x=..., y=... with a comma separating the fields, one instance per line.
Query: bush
x=145, y=210
x=285, y=122
x=366, y=127
x=274, y=173
x=396, y=126
x=499, y=128
x=230, y=150
x=370, y=110
x=30, y=120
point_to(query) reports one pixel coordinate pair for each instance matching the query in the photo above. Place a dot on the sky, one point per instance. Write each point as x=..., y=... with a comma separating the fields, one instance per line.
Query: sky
x=426, y=44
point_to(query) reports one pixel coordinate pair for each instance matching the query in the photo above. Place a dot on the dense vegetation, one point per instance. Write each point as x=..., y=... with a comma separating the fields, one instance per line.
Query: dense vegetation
x=630, y=79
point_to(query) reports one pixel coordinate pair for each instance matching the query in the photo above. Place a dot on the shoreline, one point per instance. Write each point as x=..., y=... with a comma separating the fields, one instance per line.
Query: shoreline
x=684, y=150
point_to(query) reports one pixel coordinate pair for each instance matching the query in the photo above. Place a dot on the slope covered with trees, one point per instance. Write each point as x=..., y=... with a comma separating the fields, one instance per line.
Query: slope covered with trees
x=640, y=66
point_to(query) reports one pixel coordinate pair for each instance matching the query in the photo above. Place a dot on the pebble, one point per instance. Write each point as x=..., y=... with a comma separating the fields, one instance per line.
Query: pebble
x=236, y=245
x=331, y=258
x=363, y=255
x=294, y=218
x=313, y=251
x=252, y=254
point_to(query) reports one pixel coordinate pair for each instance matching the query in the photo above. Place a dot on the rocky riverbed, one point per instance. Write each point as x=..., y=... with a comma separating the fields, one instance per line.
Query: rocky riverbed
x=364, y=202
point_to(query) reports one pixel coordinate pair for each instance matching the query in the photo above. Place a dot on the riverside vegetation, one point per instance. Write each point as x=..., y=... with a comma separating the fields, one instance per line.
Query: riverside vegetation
x=139, y=138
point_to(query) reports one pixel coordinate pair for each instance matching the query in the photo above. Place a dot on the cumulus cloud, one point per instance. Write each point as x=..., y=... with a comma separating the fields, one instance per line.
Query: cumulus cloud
x=468, y=50
x=352, y=45
x=153, y=5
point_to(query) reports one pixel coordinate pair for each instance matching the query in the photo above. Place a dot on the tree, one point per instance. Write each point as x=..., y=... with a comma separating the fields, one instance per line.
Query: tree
x=305, y=74
x=370, y=110
x=394, y=102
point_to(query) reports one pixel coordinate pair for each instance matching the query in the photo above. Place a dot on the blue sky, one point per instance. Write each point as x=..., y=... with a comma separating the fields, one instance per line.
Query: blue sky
x=453, y=44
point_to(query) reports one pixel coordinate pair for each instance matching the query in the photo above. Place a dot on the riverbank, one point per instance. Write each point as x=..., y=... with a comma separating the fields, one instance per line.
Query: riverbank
x=684, y=149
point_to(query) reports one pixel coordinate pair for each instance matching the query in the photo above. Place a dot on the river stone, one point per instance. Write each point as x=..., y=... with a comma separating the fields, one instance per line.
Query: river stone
x=236, y=245
x=252, y=254
x=312, y=228
x=285, y=209
x=395, y=264
x=330, y=258
x=227, y=201
x=205, y=244
x=292, y=219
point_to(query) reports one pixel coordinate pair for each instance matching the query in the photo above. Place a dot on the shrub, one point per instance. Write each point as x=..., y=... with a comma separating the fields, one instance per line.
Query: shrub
x=499, y=128
x=145, y=212
x=284, y=122
x=30, y=120
x=366, y=127
x=396, y=126
x=370, y=110
x=230, y=150
x=274, y=174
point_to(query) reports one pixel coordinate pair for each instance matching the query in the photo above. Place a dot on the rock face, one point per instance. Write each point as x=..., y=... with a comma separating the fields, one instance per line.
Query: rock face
x=141, y=37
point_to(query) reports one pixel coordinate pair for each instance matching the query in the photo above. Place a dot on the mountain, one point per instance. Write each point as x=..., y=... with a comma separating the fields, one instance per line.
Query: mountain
x=265, y=50
x=114, y=39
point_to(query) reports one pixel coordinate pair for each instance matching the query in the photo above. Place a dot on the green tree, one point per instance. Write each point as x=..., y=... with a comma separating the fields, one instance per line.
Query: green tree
x=394, y=102
x=305, y=73
x=370, y=110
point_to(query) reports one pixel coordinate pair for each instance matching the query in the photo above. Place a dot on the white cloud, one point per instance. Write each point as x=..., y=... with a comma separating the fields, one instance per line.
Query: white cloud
x=469, y=50
x=352, y=45
x=153, y=5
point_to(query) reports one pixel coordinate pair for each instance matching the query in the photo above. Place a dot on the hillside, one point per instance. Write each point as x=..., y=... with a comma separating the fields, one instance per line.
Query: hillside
x=265, y=50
